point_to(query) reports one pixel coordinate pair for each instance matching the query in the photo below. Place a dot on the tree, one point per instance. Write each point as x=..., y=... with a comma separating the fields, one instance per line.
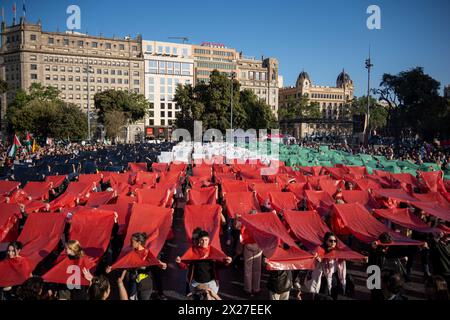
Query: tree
x=378, y=113
x=210, y=103
x=190, y=108
x=415, y=104
x=41, y=112
x=114, y=121
x=258, y=113
x=299, y=108
x=133, y=105
x=3, y=86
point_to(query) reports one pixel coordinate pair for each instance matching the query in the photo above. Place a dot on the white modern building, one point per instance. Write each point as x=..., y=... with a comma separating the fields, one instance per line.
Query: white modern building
x=166, y=65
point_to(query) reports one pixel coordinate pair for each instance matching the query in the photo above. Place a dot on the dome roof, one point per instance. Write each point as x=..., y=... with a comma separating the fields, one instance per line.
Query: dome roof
x=301, y=77
x=343, y=78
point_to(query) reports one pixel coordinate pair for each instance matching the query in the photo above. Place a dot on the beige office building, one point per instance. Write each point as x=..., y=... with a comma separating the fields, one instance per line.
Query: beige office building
x=61, y=59
x=332, y=101
x=261, y=77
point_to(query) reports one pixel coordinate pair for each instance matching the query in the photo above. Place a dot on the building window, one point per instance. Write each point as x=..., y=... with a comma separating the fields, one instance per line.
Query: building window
x=33, y=57
x=185, y=69
x=80, y=43
x=32, y=37
x=94, y=44
x=160, y=49
x=134, y=48
x=34, y=76
x=163, y=114
x=121, y=47
x=185, y=52
x=149, y=49
x=136, y=82
x=135, y=73
x=177, y=68
x=162, y=67
x=169, y=67
x=51, y=40
x=108, y=45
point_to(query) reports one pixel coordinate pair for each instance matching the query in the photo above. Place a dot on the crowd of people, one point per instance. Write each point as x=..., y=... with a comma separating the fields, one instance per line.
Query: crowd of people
x=328, y=280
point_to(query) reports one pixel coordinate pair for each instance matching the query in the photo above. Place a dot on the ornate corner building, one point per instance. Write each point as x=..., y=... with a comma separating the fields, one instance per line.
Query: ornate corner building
x=332, y=101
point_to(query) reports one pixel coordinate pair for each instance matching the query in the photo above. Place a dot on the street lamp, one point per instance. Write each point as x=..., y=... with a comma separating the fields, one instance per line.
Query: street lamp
x=88, y=69
x=233, y=76
x=369, y=65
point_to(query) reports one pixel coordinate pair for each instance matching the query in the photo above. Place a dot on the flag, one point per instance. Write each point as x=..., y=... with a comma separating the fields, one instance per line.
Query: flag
x=15, y=146
x=35, y=147
x=24, y=9
x=28, y=142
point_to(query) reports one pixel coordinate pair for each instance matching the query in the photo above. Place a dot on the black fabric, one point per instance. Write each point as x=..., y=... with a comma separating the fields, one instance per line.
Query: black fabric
x=203, y=271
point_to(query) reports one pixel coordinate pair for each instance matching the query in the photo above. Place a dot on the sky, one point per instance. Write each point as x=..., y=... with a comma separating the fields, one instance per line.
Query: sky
x=321, y=37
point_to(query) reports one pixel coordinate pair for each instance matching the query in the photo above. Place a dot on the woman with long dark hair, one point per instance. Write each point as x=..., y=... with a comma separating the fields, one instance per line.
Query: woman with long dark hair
x=329, y=275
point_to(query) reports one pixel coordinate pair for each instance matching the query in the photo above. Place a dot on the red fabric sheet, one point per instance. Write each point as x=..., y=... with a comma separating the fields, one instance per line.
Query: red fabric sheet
x=298, y=189
x=270, y=235
x=156, y=222
x=137, y=167
x=6, y=187
x=405, y=180
x=433, y=209
x=97, y=199
x=263, y=189
x=149, y=178
x=353, y=218
x=308, y=227
x=199, y=182
x=177, y=167
x=202, y=171
x=202, y=196
x=358, y=172
x=206, y=217
x=433, y=181
x=251, y=174
x=159, y=167
x=120, y=178
x=282, y=201
x=394, y=194
x=433, y=197
x=313, y=182
x=37, y=190
x=55, y=180
x=234, y=186
x=368, y=183
x=9, y=215
x=222, y=176
x=40, y=235
x=92, y=228
x=404, y=218
x=123, y=209
x=315, y=171
x=90, y=178
x=361, y=196
x=331, y=186
x=320, y=201
x=156, y=197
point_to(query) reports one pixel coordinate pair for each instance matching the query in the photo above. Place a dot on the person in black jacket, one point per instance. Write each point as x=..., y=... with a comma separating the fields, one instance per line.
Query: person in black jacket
x=280, y=284
x=440, y=256
x=386, y=257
